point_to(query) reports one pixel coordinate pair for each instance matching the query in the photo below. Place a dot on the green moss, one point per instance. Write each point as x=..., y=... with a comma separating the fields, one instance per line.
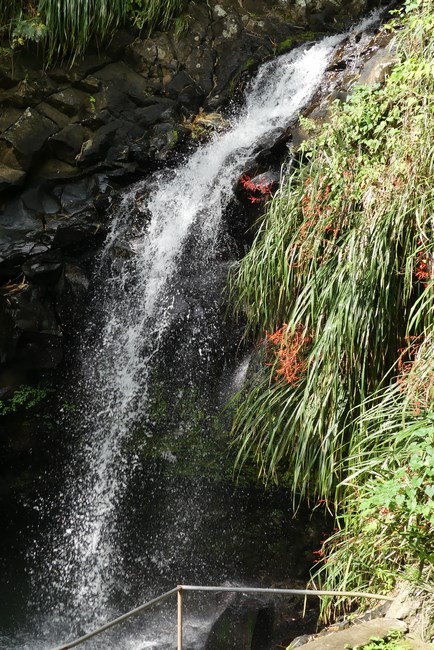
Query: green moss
x=172, y=138
x=24, y=398
x=249, y=64
x=297, y=39
x=184, y=435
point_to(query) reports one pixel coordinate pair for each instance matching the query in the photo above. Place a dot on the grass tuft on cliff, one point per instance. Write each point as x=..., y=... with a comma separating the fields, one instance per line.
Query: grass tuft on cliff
x=64, y=28
x=339, y=286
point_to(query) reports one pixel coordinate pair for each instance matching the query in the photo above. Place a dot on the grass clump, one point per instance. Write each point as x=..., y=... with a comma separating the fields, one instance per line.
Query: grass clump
x=342, y=271
x=385, y=526
x=393, y=641
x=64, y=28
x=71, y=25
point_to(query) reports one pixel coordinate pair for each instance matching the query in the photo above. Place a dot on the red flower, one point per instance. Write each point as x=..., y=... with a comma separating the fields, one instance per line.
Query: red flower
x=424, y=268
x=262, y=188
x=290, y=349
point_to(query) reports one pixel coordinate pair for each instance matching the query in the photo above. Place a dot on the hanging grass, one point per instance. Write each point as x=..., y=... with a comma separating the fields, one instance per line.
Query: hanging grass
x=68, y=26
x=339, y=253
x=385, y=529
x=9, y=9
x=72, y=24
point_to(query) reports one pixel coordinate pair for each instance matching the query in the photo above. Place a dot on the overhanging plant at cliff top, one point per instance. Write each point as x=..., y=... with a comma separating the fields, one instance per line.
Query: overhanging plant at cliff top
x=66, y=27
x=72, y=24
x=342, y=254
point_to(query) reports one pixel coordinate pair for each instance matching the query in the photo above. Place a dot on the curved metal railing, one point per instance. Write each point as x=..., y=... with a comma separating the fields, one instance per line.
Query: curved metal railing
x=244, y=590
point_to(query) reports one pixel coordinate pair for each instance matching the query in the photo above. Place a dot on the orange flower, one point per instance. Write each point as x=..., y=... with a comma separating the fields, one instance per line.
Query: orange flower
x=290, y=349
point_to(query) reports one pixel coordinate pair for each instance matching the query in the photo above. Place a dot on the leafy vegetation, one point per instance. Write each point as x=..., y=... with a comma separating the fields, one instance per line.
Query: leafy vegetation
x=24, y=398
x=184, y=433
x=394, y=641
x=65, y=28
x=339, y=287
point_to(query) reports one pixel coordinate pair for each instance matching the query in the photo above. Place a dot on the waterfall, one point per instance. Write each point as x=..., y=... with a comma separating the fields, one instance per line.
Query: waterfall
x=167, y=229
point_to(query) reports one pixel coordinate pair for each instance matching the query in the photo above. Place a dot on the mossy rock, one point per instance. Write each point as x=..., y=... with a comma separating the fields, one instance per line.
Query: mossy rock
x=296, y=40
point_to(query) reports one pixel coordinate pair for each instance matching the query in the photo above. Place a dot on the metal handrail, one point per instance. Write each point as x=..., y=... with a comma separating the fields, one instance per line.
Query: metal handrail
x=245, y=590
x=116, y=621
x=293, y=592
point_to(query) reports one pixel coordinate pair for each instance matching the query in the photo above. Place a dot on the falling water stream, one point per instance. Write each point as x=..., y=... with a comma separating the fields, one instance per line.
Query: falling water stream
x=158, y=322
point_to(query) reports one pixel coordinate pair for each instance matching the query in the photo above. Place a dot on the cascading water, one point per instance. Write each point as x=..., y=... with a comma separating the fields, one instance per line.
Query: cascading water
x=158, y=311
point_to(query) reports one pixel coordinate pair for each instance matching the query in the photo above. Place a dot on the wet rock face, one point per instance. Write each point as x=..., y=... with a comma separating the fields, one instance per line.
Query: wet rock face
x=71, y=137
x=245, y=623
x=46, y=237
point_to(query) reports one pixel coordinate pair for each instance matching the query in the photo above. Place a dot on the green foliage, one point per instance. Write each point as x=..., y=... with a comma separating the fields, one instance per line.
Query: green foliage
x=20, y=26
x=25, y=398
x=25, y=29
x=393, y=641
x=66, y=27
x=386, y=529
x=150, y=14
x=71, y=25
x=387, y=523
x=402, y=499
x=181, y=25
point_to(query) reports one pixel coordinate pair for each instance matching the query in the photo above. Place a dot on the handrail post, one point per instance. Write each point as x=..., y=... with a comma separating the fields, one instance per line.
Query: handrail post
x=179, y=617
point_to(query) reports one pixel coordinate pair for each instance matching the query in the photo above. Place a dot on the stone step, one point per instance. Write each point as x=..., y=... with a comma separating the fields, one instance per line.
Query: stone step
x=417, y=644
x=357, y=635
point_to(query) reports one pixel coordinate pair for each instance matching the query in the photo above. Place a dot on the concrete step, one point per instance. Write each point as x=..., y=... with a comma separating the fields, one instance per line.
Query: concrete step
x=359, y=635
x=417, y=644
